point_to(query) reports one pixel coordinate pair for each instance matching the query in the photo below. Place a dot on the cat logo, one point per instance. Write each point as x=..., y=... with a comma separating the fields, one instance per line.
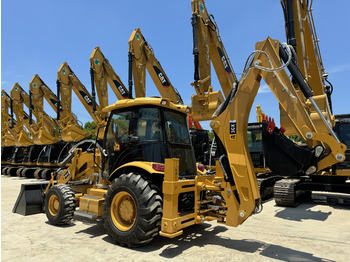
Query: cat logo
x=116, y=146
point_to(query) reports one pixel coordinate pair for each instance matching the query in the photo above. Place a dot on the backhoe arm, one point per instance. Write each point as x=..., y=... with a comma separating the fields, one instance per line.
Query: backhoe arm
x=67, y=82
x=7, y=134
x=21, y=137
x=102, y=73
x=208, y=49
x=143, y=58
x=37, y=92
x=230, y=126
x=44, y=131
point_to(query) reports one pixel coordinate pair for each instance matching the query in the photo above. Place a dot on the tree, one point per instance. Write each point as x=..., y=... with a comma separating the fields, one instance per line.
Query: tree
x=90, y=127
x=211, y=135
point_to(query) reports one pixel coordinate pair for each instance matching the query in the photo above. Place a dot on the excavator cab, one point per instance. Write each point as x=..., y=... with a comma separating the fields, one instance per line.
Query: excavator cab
x=342, y=129
x=148, y=133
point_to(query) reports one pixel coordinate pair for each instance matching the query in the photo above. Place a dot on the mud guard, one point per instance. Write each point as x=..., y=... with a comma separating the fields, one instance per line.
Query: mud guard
x=284, y=157
x=30, y=199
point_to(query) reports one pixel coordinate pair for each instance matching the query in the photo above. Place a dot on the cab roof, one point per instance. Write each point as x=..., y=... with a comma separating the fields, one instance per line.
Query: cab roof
x=147, y=101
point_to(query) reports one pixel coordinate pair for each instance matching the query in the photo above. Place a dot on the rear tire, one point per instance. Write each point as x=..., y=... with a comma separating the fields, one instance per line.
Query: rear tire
x=60, y=204
x=132, y=210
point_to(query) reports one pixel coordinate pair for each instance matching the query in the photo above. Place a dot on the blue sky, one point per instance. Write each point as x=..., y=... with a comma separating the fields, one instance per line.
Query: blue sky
x=38, y=36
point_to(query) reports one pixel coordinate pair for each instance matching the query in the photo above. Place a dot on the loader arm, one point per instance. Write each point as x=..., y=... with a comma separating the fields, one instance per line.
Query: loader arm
x=68, y=81
x=208, y=49
x=143, y=58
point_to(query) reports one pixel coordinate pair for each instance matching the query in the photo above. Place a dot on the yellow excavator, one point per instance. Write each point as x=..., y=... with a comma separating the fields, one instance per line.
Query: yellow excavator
x=148, y=182
x=301, y=35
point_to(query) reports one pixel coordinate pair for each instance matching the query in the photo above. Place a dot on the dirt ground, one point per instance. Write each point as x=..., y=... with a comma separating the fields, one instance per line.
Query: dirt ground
x=310, y=232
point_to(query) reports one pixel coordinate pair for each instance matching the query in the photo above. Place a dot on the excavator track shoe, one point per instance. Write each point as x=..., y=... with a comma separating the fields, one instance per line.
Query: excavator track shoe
x=286, y=193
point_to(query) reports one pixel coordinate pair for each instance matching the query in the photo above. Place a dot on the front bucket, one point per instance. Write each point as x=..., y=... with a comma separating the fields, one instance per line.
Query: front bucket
x=31, y=199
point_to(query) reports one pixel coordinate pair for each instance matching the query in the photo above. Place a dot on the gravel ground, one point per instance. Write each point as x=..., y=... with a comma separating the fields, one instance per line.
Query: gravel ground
x=310, y=232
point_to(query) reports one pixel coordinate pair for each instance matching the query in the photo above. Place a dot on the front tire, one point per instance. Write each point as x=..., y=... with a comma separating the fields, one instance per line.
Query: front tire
x=60, y=204
x=132, y=210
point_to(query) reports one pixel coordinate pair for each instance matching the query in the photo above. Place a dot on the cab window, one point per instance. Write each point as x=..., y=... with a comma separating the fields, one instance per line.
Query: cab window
x=176, y=128
x=149, y=127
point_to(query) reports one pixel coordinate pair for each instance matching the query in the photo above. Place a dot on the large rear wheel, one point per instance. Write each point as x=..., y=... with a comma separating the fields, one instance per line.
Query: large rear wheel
x=60, y=204
x=132, y=210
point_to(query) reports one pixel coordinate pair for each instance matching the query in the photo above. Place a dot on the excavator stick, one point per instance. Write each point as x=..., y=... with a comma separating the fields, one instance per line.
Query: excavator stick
x=31, y=199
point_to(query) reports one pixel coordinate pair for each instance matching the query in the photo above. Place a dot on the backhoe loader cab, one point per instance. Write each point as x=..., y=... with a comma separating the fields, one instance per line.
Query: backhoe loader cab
x=147, y=132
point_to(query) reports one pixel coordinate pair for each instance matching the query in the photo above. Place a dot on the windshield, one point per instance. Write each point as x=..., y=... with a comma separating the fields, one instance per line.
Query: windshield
x=176, y=128
x=344, y=134
x=255, y=140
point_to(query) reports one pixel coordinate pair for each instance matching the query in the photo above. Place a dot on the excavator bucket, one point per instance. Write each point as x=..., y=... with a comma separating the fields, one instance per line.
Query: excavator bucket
x=31, y=199
x=282, y=156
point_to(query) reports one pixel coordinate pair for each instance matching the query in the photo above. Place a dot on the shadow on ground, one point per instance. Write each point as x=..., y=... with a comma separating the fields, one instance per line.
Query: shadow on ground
x=201, y=235
x=302, y=212
x=205, y=234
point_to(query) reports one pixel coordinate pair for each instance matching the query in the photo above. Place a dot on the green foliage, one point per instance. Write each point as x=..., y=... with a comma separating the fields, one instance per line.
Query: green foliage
x=295, y=138
x=90, y=127
x=211, y=135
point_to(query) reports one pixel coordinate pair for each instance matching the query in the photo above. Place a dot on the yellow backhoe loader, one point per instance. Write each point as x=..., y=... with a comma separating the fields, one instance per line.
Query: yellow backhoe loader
x=148, y=182
x=39, y=154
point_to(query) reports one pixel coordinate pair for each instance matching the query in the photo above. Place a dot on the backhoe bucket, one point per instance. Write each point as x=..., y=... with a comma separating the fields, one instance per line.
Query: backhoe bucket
x=31, y=199
x=284, y=157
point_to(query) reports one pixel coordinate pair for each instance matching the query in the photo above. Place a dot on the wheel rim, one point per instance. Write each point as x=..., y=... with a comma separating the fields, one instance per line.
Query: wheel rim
x=123, y=211
x=54, y=205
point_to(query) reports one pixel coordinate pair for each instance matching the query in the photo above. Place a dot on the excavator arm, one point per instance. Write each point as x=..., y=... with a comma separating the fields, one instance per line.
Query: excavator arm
x=143, y=58
x=208, y=49
x=68, y=81
x=301, y=35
